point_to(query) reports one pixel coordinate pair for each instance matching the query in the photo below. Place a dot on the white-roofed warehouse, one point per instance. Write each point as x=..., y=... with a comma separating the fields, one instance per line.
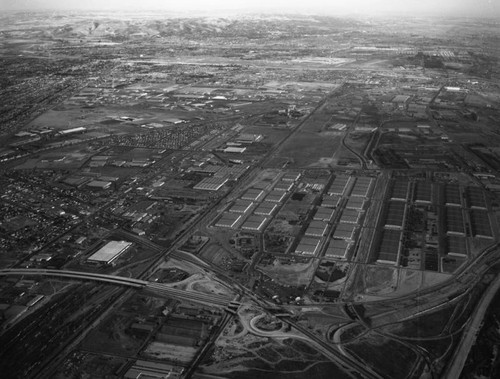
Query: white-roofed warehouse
x=110, y=252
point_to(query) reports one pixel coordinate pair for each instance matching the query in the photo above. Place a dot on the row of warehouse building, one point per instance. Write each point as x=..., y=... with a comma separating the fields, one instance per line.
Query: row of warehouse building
x=255, y=207
x=344, y=185
x=452, y=217
x=343, y=231
x=423, y=193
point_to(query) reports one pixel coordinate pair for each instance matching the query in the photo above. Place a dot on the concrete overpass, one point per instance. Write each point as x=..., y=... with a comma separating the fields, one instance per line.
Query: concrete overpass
x=153, y=287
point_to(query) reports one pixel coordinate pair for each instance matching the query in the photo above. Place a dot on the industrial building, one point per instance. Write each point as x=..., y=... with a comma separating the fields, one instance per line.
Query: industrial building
x=330, y=201
x=395, y=212
x=362, y=187
x=241, y=206
x=324, y=214
x=389, y=247
x=355, y=203
x=308, y=246
x=399, y=189
x=345, y=231
x=265, y=208
x=154, y=370
x=252, y=194
x=455, y=246
x=235, y=150
x=337, y=249
x=228, y=220
x=99, y=184
x=316, y=229
x=249, y=138
x=475, y=198
x=283, y=186
x=275, y=196
x=254, y=223
x=480, y=223
x=350, y=216
x=452, y=195
x=291, y=177
x=339, y=185
x=423, y=192
x=109, y=252
x=454, y=221
x=211, y=184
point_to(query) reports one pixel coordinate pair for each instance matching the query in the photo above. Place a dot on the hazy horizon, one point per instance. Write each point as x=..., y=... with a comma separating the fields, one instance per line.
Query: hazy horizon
x=475, y=8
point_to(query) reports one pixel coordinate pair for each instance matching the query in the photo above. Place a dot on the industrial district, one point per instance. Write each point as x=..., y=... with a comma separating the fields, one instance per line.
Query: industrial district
x=253, y=197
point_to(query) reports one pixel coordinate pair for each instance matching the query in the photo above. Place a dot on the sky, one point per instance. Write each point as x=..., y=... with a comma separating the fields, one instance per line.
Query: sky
x=331, y=7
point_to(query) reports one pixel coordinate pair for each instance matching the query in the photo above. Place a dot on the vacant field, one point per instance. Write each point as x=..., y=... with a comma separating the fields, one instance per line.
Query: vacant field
x=112, y=337
x=165, y=351
x=306, y=149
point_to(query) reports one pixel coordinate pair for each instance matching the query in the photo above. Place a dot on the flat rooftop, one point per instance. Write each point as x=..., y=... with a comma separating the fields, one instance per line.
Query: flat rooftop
x=241, y=206
x=228, y=220
x=252, y=194
x=254, y=222
x=337, y=249
x=110, y=252
x=324, y=213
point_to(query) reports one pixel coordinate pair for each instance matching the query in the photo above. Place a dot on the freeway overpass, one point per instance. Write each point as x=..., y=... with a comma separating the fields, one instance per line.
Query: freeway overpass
x=153, y=287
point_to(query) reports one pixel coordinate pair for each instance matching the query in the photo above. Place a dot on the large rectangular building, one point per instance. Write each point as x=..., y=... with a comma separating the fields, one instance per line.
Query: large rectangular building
x=454, y=220
x=395, y=214
x=275, y=196
x=475, y=198
x=350, y=216
x=265, y=208
x=330, y=201
x=389, y=247
x=345, y=231
x=399, y=189
x=324, y=214
x=452, y=195
x=241, y=206
x=316, y=228
x=211, y=184
x=252, y=194
x=481, y=226
x=110, y=252
x=254, y=223
x=362, y=187
x=355, y=203
x=423, y=192
x=228, y=220
x=339, y=185
x=337, y=249
x=308, y=246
